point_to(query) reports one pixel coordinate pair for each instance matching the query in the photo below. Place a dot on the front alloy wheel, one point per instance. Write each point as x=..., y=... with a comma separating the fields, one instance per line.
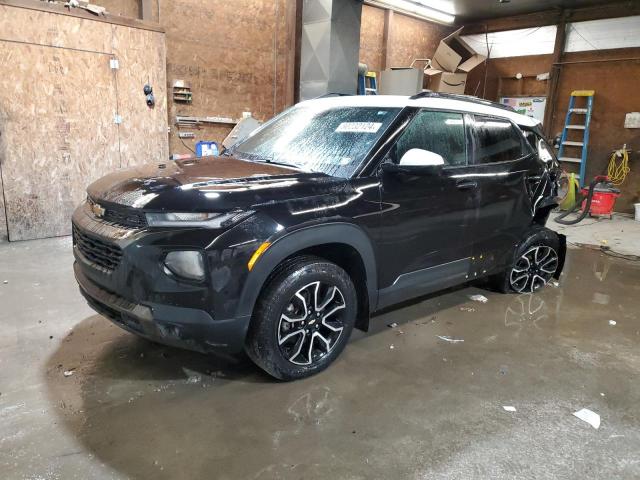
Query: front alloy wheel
x=311, y=323
x=303, y=318
x=533, y=269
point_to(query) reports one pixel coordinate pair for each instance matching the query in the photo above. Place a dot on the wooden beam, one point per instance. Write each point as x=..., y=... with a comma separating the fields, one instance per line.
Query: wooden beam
x=552, y=17
x=292, y=11
x=59, y=9
x=554, y=76
x=387, y=35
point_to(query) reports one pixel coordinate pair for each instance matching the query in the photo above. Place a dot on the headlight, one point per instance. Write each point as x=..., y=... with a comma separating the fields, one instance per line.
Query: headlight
x=187, y=264
x=207, y=220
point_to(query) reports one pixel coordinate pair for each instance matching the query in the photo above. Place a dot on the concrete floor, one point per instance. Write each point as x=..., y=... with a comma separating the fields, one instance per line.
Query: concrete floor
x=424, y=409
x=621, y=234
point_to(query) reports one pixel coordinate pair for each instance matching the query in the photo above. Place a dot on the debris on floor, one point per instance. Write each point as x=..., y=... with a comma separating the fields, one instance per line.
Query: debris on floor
x=392, y=325
x=612, y=322
x=391, y=347
x=509, y=408
x=588, y=416
x=467, y=309
x=479, y=298
x=5, y=282
x=554, y=283
x=194, y=379
x=68, y=373
x=449, y=339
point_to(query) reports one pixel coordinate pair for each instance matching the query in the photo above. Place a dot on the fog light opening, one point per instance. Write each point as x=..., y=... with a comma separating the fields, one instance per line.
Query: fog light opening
x=187, y=264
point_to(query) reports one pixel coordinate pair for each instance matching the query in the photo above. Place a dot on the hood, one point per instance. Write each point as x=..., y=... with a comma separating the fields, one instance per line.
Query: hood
x=209, y=184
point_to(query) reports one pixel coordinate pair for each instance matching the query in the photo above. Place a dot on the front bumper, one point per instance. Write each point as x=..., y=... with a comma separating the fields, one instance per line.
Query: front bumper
x=131, y=288
x=189, y=328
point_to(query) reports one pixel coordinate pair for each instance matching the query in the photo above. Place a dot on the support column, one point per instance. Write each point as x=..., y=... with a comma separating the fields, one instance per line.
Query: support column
x=330, y=47
x=386, y=38
x=554, y=75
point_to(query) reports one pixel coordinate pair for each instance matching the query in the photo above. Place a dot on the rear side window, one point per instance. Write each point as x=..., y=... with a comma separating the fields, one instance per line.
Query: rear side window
x=438, y=132
x=497, y=140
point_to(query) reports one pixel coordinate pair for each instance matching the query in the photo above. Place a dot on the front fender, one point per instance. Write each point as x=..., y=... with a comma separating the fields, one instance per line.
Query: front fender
x=293, y=242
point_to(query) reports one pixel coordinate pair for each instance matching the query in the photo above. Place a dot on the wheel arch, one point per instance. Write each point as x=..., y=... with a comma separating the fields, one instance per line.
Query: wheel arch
x=345, y=244
x=536, y=230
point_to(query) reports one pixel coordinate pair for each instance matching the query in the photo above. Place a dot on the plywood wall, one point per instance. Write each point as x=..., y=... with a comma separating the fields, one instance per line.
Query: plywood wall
x=409, y=38
x=124, y=8
x=371, y=37
x=233, y=54
x=58, y=101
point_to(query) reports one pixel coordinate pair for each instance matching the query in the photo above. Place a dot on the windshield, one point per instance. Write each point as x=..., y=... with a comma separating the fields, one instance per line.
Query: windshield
x=328, y=140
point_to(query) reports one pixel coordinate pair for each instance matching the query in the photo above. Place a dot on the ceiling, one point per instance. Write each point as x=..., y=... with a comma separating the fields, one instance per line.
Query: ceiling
x=473, y=10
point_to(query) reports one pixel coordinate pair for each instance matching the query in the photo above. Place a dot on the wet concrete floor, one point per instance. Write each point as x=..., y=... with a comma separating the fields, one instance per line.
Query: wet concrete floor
x=399, y=403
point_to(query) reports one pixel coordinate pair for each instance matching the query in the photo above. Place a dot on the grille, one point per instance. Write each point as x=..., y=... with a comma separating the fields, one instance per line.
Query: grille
x=122, y=216
x=125, y=218
x=103, y=255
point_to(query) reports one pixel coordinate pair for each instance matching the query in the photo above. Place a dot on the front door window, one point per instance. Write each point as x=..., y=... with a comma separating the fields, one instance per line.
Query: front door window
x=439, y=132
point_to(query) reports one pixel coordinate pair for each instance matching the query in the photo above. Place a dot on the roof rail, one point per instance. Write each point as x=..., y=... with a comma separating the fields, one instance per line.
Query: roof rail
x=333, y=94
x=464, y=98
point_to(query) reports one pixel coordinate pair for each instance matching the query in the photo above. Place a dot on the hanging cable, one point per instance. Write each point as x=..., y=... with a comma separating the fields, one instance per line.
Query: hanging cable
x=617, y=171
x=187, y=146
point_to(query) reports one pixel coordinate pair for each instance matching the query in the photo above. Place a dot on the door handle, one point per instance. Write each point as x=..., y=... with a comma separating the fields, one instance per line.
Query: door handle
x=466, y=184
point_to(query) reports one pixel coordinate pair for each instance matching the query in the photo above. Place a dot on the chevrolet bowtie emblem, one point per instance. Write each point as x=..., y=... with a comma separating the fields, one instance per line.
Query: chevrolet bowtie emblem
x=97, y=210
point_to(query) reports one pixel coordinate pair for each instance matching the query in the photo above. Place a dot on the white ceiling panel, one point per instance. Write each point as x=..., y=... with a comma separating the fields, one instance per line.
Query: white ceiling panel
x=603, y=34
x=514, y=43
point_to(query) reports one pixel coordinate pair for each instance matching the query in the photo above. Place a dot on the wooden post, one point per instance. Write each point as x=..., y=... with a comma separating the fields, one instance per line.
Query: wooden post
x=386, y=38
x=554, y=75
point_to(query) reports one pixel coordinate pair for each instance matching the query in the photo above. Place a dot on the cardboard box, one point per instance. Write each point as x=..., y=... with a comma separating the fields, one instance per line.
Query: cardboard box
x=446, y=82
x=454, y=54
x=451, y=63
x=401, y=81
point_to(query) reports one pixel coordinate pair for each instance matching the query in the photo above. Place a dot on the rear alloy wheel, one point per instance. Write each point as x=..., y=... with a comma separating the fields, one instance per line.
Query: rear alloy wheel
x=311, y=323
x=533, y=269
x=303, y=319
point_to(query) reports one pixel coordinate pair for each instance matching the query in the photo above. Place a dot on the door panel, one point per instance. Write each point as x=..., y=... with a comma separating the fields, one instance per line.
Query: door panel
x=505, y=165
x=424, y=241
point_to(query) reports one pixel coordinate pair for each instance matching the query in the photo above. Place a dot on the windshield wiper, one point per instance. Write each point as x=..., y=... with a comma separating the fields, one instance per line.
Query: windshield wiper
x=282, y=164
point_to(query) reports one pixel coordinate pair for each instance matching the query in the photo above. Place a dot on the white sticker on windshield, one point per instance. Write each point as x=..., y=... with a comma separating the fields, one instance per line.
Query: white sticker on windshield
x=359, y=127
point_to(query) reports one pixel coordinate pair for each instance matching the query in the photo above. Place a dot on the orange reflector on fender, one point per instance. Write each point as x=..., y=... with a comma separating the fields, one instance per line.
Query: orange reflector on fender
x=256, y=255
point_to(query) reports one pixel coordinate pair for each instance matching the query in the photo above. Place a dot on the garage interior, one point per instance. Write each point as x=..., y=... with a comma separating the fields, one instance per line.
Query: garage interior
x=442, y=387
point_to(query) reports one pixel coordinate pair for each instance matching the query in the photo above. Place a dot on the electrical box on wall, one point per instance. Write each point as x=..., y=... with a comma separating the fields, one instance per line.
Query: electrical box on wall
x=632, y=120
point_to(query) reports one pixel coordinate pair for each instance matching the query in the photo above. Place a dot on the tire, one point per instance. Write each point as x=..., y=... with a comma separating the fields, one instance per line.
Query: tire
x=303, y=318
x=534, y=263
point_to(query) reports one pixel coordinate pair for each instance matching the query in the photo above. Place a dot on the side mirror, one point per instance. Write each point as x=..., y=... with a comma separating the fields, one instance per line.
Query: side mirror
x=416, y=157
x=416, y=162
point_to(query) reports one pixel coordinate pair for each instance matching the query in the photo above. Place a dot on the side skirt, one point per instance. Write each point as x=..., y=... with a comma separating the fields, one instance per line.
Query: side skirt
x=424, y=281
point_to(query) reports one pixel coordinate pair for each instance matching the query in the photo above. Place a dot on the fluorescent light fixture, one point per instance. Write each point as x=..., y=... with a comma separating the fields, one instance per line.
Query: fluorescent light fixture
x=419, y=9
x=446, y=6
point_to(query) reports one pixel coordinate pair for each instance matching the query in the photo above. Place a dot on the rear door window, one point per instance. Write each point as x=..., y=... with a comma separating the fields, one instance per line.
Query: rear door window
x=497, y=140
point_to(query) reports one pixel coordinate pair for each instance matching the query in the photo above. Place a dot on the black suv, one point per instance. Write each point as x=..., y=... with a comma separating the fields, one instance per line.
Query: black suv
x=332, y=210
